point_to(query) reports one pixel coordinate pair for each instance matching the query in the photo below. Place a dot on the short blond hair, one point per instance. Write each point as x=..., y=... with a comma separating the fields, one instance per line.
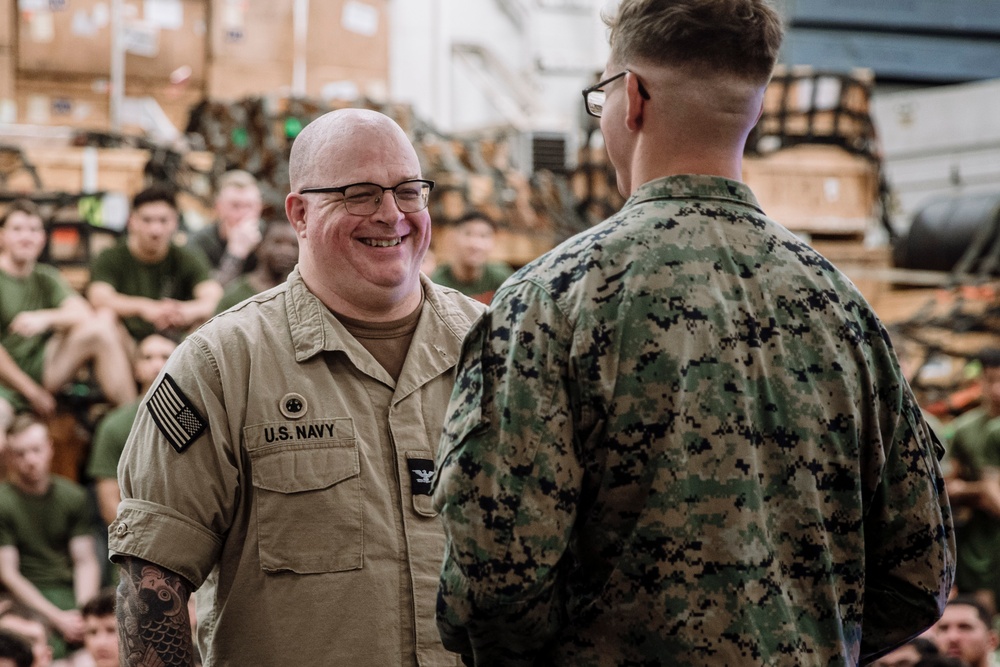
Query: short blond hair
x=236, y=178
x=23, y=422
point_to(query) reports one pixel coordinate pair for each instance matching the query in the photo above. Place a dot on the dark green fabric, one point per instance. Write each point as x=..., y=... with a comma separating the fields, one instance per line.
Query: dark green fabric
x=493, y=276
x=41, y=528
x=109, y=441
x=175, y=278
x=43, y=288
x=976, y=447
x=237, y=291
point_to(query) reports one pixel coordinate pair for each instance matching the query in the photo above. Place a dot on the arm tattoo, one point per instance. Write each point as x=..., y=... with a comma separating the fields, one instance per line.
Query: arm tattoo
x=153, y=625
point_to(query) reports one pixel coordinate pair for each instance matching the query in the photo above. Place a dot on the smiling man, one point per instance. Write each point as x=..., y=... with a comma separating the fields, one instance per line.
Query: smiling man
x=48, y=332
x=151, y=283
x=285, y=453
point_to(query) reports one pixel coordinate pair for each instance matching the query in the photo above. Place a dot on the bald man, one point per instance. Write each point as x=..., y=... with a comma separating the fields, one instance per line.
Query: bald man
x=286, y=451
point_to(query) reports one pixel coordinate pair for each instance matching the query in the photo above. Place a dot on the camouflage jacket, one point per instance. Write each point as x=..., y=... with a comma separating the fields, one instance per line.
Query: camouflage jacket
x=682, y=437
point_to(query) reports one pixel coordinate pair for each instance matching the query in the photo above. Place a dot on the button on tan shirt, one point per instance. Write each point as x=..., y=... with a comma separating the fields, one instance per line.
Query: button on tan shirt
x=299, y=496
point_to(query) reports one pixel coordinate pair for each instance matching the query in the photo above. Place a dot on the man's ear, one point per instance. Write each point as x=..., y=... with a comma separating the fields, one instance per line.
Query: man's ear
x=634, y=103
x=295, y=211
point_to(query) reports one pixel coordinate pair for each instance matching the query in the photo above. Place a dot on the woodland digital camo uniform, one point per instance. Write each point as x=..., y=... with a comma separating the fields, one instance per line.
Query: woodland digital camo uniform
x=682, y=438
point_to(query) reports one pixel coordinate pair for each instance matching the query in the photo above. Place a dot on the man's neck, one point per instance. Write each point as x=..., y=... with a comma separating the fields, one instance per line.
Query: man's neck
x=383, y=306
x=655, y=163
x=148, y=258
x=466, y=273
x=39, y=488
x=17, y=269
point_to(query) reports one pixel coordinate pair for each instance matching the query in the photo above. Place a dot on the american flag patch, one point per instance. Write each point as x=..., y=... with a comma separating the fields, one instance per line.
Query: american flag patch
x=175, y=416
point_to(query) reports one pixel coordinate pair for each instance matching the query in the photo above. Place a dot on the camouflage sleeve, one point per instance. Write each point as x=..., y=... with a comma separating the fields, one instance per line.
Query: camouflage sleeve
x=508, y=482
x=909, y=540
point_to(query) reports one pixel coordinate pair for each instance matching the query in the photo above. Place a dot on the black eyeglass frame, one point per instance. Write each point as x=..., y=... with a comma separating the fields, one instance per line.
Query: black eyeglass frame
x=342, y=190
x=598, y=86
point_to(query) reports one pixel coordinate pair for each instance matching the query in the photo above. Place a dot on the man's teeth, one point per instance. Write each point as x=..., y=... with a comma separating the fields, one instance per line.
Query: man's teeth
x=382, y=243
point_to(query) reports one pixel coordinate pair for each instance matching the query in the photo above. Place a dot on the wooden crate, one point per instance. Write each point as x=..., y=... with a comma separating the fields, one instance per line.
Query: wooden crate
x=815, y=189
x=61, y=169
x=801, y=102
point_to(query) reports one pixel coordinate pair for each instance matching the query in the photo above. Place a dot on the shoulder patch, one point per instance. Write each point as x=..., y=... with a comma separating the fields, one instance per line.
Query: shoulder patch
x=178, y=420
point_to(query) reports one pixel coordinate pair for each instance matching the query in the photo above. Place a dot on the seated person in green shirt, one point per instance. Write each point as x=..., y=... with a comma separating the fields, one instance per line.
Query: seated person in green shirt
x=47, y=331
x=113, y=429
x=470, y=271
x=276, y=257
x=973, y=484
x=152, y=284
x=48, y=560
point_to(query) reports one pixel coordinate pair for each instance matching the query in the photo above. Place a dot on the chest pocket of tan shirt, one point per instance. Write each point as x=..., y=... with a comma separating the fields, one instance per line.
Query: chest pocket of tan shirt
x=307, y=493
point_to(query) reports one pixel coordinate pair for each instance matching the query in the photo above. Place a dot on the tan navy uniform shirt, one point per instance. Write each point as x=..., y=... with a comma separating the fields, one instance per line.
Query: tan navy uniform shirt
x=274, y=449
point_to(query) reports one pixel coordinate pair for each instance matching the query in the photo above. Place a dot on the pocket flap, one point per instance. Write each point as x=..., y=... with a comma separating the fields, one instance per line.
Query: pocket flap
x=292, y=470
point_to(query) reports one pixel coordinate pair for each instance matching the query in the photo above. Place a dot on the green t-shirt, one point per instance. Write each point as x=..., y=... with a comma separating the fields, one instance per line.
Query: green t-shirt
x=41, y=528
x=237, y=291
x=109, y=441
x=975, y=447
x=493, y=276
x=43, y=288
x=175, y=277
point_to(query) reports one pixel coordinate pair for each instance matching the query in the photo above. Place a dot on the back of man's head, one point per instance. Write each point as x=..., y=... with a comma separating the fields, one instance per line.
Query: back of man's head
x=736, y=37
x=155, y=194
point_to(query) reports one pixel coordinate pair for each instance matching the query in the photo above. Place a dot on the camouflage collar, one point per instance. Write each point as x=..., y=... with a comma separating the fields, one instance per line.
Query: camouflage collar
x=694, y=186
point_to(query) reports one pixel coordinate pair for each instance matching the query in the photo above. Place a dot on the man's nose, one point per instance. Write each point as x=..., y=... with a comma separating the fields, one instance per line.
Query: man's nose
x=388, y=210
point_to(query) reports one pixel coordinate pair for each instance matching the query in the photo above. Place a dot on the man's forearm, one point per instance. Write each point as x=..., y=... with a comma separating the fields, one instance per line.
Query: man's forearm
x=154, y=628
x=27, y=594
x=86, y=580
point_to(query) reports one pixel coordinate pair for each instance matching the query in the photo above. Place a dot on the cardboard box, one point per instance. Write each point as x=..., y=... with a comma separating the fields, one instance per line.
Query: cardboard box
x=85, y=103
x=7, y=10
x=254, y=50
x=75, y=39
x=7, y=78
x=815, y=189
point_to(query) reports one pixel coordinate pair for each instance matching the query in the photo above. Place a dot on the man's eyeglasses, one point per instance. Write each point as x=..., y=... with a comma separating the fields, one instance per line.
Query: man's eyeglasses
x=593, y=97
x=366, y=198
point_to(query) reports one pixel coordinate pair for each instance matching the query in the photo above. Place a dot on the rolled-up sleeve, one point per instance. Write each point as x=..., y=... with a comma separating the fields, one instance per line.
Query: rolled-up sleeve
x=179, y=472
